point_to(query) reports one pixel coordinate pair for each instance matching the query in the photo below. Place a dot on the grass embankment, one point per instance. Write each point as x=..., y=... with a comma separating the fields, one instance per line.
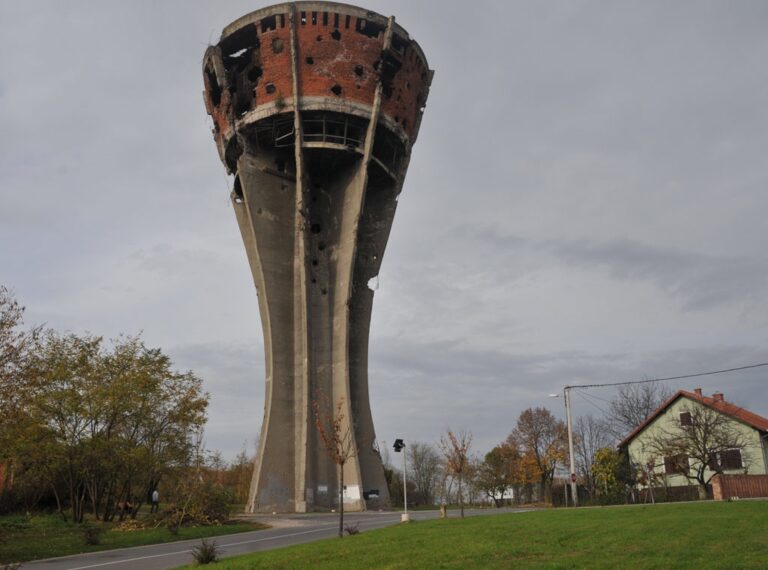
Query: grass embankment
x=697, y=535
x=47, y=536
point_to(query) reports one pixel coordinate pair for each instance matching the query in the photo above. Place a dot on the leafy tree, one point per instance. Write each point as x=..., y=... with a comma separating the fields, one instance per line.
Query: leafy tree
x=543, y=443
x=455, y=449
x=103, y=426
x=16, y=389
x=495, y=474
x=605, y=470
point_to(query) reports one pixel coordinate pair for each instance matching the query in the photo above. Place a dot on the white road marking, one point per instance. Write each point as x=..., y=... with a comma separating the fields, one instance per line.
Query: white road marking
x=189, y=550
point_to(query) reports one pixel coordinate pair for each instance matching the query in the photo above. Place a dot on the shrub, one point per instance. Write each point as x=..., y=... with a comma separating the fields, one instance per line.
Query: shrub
x=92, y=535
x=206, y=553
x=352, y=529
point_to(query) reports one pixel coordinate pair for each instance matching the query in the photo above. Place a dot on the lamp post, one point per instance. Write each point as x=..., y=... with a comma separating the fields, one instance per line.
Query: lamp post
x=574, y=491
x=572, y=474
x=398, y=447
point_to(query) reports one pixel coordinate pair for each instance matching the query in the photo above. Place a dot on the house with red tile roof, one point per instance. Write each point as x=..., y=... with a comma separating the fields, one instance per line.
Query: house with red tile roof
x=678, y=416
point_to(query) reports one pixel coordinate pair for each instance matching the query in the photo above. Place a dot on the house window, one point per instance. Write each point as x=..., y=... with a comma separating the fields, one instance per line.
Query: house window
x=676, y=464
x=731, y=459
x=685, y=419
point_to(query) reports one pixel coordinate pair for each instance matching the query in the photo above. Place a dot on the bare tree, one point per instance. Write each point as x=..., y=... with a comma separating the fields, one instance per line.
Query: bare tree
x=633, y=404
x=455, y=449
x=338, y=439
x=707, y=444
x=543, y=442
x=591, y=434
x=424, y=470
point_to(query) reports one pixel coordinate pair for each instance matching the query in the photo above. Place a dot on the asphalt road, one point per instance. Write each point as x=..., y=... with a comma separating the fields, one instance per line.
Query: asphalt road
x=287, y=530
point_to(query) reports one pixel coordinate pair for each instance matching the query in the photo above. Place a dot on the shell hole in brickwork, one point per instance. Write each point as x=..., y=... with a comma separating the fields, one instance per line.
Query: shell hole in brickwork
x=314, y=280
x=319, y=38
x=321, y=246
x=359, y=70
x=269, y=88
x=237, y=43
x=324, y=291
x=336, y=35
x=277, y=45
x=310, y=60
x=368, y=28
x=336, y=89
x=315, y=228
x=269, y=23
x=254, y=74
x=314, y=262
x=214, y=89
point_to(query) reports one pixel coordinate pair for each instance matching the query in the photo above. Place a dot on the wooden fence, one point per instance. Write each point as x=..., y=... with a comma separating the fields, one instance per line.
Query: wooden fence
x=739, y=486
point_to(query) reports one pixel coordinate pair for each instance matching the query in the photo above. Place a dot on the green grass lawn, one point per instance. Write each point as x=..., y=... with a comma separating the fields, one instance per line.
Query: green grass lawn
x=47, y=536
x=690, y=535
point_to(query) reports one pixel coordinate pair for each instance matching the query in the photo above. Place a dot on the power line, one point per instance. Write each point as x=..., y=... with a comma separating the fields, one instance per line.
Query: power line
x=583, y=396
x=710, y=373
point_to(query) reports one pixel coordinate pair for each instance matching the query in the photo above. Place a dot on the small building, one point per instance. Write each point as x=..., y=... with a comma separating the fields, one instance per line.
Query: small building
x=670, y=447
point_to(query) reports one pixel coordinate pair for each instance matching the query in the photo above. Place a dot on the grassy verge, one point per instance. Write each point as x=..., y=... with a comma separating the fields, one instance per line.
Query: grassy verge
x=700, y=535
x=31, y=538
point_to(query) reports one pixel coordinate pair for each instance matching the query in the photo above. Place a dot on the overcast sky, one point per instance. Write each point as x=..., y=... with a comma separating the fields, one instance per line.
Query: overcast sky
x=586, y=203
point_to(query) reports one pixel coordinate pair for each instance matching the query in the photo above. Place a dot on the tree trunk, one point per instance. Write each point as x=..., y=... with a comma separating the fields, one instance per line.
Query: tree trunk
x=341, y=501
x=461, y=499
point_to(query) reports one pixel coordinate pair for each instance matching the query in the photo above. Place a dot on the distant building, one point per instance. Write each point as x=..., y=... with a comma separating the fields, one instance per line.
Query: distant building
x=680, y=413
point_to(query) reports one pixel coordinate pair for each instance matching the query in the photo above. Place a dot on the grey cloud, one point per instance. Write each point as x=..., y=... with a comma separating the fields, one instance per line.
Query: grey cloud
x=699, y=281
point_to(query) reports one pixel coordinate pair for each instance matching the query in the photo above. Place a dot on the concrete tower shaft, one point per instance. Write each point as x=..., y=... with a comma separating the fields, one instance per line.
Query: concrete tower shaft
x=315, y=107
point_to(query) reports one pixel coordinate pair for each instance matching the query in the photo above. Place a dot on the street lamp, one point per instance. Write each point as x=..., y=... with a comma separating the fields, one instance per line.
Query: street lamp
x=572, y=474
x=398, y=447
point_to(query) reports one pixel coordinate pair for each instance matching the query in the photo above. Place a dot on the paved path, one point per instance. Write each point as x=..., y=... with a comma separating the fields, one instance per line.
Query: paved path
x=286, y=530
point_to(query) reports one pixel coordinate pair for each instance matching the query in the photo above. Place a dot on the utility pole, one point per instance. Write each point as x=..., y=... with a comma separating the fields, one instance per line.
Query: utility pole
x=572, y=475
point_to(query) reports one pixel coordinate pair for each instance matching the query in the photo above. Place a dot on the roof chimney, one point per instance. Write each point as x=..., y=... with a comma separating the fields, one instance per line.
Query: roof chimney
x=698, y=391
x=718, y=396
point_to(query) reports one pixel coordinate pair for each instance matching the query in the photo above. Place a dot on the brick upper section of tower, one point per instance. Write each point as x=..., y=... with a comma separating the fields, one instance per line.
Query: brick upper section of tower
x=339, y=58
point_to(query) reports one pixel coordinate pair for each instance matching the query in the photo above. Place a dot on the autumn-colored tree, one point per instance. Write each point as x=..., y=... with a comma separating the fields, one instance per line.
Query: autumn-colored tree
x=543, y=443
x=16, y=387
x=105, y=424
x=494, y=475
x=338, y=439
x=455, y=449
x=605, y=470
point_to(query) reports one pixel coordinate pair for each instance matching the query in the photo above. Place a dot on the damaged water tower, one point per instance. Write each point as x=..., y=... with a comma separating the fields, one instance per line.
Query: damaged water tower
x=315, y=106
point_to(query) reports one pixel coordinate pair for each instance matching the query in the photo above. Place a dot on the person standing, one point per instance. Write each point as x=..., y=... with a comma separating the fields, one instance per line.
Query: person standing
x=155, y=501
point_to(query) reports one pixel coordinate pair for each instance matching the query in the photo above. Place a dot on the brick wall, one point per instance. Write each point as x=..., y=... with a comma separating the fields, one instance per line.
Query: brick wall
x=743, y=486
